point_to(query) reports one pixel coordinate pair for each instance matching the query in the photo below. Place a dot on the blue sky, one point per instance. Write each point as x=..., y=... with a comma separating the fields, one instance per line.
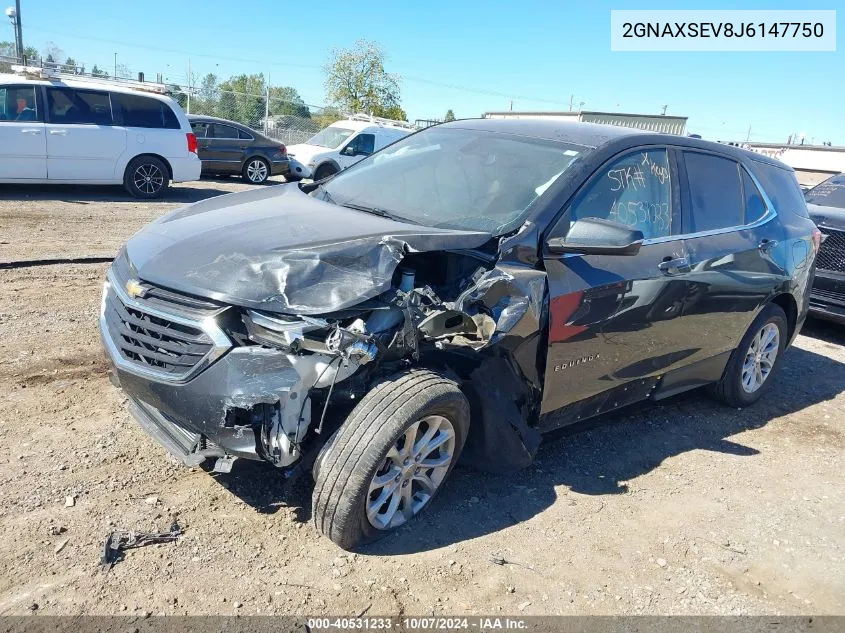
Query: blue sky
x=470, y=56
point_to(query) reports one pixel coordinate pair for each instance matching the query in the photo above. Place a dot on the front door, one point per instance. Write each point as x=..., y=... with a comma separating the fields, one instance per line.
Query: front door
x=23, y=146
x=356, y=149
x=83, y=143
x=616, y=322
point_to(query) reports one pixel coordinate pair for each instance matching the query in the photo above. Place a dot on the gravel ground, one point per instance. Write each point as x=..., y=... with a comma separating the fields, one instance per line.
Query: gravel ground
x=685, y=507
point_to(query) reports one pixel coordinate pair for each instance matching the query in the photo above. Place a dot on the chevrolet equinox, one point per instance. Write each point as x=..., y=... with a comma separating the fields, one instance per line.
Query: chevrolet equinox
x=459, y=293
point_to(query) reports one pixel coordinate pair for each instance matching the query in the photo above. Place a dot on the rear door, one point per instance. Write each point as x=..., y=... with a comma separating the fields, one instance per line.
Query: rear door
x=23, y=145
x=83, y=143
x=201, y=130
x=617, y=323
x=737, y=252
x=226, y=150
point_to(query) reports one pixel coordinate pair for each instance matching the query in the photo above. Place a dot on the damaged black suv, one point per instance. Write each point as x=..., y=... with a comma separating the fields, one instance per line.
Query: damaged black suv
x=460, y=292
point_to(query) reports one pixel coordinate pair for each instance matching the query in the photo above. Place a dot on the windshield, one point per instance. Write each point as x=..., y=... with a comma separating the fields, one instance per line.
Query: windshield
x=455, y=178
x=830, y=193
x=331, y=137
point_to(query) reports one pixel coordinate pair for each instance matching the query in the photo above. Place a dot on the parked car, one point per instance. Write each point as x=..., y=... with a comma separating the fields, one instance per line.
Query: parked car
x=344, y=143
x=826, y=202
x=81, y=131
x=226, y=148
x=465, y=290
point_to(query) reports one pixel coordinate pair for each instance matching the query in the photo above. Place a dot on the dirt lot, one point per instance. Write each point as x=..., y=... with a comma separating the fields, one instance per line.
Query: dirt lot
x=684, y=507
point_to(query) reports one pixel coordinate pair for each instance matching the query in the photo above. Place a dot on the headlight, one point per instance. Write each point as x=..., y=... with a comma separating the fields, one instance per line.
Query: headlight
x=287, y=333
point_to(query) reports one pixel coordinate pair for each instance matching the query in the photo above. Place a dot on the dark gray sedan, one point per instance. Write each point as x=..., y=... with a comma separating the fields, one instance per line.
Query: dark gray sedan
x=226, y=148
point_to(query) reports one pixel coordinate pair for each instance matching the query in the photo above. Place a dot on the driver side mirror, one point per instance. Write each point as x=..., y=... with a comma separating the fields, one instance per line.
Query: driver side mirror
x=349, y=150
x=595, y=236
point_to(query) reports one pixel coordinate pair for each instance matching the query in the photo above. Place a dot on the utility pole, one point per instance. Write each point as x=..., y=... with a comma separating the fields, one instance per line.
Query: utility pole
x=571, y=99
x=18, y=31
x=748, y=138
x=115, y=65
x=190, y=88
x=267, y=106
x=664, y=110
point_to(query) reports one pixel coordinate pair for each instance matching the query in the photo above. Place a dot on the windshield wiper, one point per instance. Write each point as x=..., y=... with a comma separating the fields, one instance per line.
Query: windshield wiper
x=374, y=210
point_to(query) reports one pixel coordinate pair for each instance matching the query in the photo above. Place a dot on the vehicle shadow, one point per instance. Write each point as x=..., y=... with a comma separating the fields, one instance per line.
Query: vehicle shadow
x=83, y=194
x=824, y=330
x=594, y=458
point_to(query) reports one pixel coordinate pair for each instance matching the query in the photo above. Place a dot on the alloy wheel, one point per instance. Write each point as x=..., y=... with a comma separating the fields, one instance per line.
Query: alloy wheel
x=760, y=357
x=412, y=471
x=256, y=171
x=148, y=178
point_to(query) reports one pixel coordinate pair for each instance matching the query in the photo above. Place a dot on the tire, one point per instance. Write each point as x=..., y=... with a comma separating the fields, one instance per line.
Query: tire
x=733, y=388
x=256, y=170
x=324, y=171
x=371, y=442
x=146, y=177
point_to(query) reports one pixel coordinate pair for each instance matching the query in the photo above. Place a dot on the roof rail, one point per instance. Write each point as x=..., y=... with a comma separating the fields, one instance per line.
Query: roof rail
x=359, y=116
x=53, y=74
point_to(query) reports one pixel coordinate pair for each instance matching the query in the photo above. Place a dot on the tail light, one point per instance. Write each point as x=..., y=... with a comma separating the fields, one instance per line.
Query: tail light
x=283, y=149
x=817, y=240
x=192, y=142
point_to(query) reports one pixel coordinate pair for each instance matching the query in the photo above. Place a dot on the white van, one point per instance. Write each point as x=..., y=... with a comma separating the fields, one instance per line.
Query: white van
x=81, y=131
x=344, y=143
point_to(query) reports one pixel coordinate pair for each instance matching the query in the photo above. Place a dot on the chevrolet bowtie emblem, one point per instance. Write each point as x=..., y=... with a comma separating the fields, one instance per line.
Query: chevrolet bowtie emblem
x=134, y=288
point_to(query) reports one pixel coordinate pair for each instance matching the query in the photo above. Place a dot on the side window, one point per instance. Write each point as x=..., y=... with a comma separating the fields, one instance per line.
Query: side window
x=200, y=129
x=18, y=104
x=634, y=190
x=783, y=190
x=366, y=143
x=755, y=208
x=87, y=107
x=223, y=131
x=715, y=193
x=146, y=112
x=245, y=136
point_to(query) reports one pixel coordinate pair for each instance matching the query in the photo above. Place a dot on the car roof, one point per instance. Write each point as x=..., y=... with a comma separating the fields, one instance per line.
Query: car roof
x=596, y=135
x=192, y=118
x=90, y=84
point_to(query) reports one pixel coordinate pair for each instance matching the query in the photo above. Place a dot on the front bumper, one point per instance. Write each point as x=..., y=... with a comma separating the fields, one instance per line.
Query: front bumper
x=827, y=297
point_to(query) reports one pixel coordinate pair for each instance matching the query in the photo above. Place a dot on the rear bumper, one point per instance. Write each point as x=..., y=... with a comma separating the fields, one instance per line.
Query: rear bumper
x=280, y=168
x=185, y=168
x=827, y=298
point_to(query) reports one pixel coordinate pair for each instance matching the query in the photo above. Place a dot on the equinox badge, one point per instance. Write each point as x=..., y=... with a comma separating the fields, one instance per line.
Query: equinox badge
x=577, y=361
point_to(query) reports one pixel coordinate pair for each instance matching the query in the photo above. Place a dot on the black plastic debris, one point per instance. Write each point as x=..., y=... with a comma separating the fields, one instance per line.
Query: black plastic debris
x=119, y=541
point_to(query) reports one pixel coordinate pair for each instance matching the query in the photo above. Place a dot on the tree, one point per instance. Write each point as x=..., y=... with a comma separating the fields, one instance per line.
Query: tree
x=450, y=116
x=52, y=53
x=393, y=112
x=357, y=81
x=242, y=99
x=285, y=100
x=97, y=72
x=69, y=66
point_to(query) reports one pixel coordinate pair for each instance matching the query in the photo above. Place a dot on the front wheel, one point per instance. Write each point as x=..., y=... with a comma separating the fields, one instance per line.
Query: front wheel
x=146, y=177
x=753, y=362
x=390, y=457
x=324, y=171
x=256, y=170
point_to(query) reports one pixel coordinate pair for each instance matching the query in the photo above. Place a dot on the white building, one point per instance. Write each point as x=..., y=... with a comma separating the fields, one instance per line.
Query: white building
x=812, y=163
x=653, y=122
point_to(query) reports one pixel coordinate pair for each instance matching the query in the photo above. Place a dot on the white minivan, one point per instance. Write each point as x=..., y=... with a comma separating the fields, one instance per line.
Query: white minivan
x=344, y=143
x=80, y=131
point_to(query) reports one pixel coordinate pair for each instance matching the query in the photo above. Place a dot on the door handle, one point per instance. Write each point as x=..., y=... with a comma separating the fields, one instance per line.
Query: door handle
x=58, y=132
x=674, y=265
x=30, y=131
x=766, y=245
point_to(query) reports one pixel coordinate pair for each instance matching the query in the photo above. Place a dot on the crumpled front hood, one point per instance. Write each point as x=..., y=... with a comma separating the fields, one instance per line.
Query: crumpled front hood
x=278, y=249
x=832, y=217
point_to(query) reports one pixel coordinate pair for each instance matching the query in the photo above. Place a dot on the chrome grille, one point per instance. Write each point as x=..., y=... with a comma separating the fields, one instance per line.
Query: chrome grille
x=832, y=252
x=159, y=335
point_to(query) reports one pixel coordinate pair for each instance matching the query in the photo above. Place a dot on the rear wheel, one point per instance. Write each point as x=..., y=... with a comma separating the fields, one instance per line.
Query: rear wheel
x=754, y=361
x=390, y=458
x=324, y=171
x=146, y=177
x=256, y=170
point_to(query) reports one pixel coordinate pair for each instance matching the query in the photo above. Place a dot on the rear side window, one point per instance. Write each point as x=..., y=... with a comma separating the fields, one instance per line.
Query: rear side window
x=755, y=207
x=18, y=104
x=635, y=190
x=71, y=106
x=139, y=111
x=714, y=193
x=244, y=135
